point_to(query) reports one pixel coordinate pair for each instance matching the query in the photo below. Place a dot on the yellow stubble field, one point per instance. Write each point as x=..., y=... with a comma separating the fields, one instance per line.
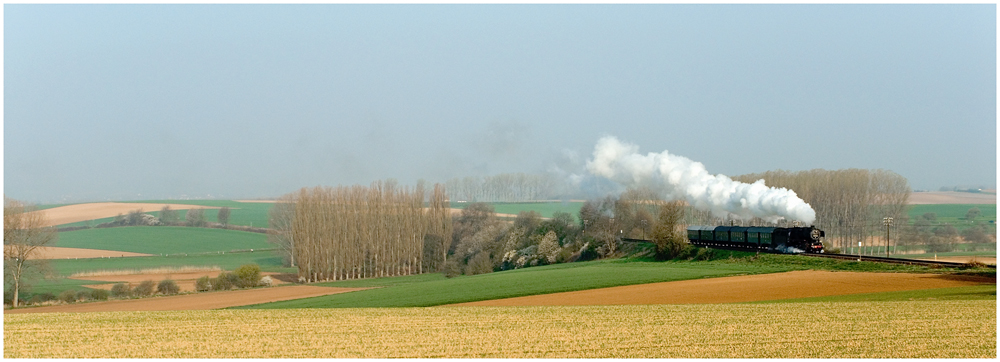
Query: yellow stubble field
x=913, y=329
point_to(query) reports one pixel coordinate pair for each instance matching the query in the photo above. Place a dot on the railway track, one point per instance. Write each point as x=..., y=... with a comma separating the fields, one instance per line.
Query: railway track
x=881, y=259
x=878, y=259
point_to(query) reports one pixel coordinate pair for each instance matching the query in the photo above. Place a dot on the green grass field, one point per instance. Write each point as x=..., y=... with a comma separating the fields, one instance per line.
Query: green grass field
x=269, y=261
x=241, y=213
x=163, y=239
x=954, y=212
x=431, y=290
x=173, y=246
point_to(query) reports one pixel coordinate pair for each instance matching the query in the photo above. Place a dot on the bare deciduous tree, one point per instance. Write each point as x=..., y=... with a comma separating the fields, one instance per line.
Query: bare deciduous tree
x=667, y=234
x=223, y=216
x=850, y=204
x=358, y=232
x=168, y=216
x=25, y=231
x=195, y=217
x=280, y=222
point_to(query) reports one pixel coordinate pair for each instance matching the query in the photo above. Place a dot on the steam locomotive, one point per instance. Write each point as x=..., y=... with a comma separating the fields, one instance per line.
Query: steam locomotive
x=782, y=240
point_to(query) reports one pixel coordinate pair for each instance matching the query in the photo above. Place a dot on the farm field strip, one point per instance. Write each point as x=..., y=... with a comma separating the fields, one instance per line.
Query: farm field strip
x=188, y=302
x=922, y=329
x=163, y=239
x=98, y=210
x=55, y=252
x=185, y=281
x=748, y=288
x=951, y=197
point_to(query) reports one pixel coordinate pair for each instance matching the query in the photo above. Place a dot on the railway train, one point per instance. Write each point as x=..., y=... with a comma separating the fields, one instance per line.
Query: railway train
x=772, y=239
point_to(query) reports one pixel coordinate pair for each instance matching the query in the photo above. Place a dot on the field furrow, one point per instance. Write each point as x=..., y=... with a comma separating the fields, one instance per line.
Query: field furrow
x=918, y=329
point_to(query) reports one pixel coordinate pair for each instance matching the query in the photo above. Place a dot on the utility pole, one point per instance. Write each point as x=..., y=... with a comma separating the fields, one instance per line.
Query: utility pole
x=643, y=221
x=887, y=221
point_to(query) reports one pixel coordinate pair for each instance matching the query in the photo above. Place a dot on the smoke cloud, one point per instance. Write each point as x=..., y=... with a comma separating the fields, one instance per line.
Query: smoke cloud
x=680, y=178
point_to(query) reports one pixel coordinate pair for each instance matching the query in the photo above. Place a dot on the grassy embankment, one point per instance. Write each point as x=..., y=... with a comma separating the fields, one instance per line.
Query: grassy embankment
x=434, y=289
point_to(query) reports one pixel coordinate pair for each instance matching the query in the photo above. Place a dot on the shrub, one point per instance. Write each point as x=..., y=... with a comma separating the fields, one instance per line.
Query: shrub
x=121, y=290
x=68, y=296
x=976, y=235
x=548, y=247
x=688, y=253
x=203, y=284
x=144, y=289
x=225, y=281
x=937, y=244
x=588, y=252
x=452, y=269
x=167, y=287
x=83, y=295
x=479, y=264
x=704, y=254
x=195, y=217
x=99, y=294
x=42, y=298
x=223, y=216
x=247, y=275
x=266, y=281
x=168, y=216
x=670, y=242
x=565, y=255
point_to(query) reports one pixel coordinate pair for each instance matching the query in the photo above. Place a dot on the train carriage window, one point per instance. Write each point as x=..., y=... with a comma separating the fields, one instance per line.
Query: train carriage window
x=721, y=236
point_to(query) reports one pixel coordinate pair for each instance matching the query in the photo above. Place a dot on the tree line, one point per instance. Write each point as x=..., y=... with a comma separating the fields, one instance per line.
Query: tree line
x=505, y=187
x=850, y=204
x=483, y=243
x=336, y=233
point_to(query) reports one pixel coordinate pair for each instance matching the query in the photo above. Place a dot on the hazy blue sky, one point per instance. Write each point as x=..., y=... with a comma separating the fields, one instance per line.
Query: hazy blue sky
x=163, y=101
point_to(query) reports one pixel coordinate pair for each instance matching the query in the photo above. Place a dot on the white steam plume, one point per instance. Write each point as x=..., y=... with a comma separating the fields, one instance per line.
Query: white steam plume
x=683, y=179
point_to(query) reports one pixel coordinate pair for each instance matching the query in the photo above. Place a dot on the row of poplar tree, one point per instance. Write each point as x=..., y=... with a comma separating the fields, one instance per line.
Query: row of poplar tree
x=850, y=204
x=336, y=233
x=505, y=187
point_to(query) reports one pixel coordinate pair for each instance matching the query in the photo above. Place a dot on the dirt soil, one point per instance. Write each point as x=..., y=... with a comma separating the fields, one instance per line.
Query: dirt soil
x=962, y=259
x=951, y=197
x=790, y=285
x=54, y=252
x=83, y=212
x=185, y=281
x=199, y=301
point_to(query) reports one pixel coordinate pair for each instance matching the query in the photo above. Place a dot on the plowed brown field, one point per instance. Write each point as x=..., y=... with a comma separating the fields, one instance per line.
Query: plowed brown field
x=55, y=252
x=199, y=301
x=83, y=212
x=796, y=284
x=963, y=259
x=951, y=197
